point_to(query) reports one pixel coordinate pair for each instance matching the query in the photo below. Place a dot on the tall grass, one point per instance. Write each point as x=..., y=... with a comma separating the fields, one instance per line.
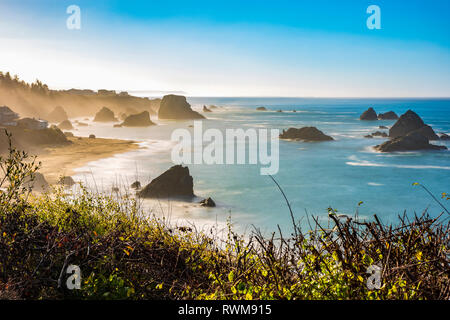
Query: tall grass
x=126, y=253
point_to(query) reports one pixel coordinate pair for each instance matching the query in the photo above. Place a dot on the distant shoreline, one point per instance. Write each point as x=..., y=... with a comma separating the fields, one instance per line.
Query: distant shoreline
x=62, y=160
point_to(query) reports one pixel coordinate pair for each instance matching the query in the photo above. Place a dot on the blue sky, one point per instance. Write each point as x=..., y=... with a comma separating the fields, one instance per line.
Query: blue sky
x=300, y=48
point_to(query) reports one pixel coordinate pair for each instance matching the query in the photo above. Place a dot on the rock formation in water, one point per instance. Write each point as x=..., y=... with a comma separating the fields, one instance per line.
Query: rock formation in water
x=411, y=142
x=391, y=115
x=174, y=183
x=136, y=185
x=369, y=114
x=379, y=134
x=105, y=115
x=207, y=203
x=305, y=134
x=205, y=109
x=444, y=136
x=57, y=115
x=38, y=183
x=65, y=125
x=409, y=122
x=138, y=120
x=175, y=107
x=261, y=109
x=66, y=181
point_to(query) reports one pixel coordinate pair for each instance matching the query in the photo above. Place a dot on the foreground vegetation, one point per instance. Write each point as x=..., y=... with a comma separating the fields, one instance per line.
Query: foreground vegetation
x=125, y=254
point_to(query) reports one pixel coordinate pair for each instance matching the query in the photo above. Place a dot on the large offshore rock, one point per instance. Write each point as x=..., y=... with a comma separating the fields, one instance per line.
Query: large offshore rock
x=174, y=183
x=105, y=115
x=138, y=120
x=177, y=108
x=305, y=134
x=369, y=114
x=411, y=142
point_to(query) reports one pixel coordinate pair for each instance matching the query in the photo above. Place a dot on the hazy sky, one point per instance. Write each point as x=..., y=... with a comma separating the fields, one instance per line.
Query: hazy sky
x=232, y=48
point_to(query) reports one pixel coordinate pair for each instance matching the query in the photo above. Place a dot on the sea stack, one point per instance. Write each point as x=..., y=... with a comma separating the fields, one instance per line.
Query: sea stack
x=57, y=115
x=411, y=142
x=205, y=109
x=174, y=183
x=65, y=125
x=105, y=115
x=409, y=122
x=138, y=120
x=175, y=107
x=390, y=115
x=309, y=134
x=369, y=114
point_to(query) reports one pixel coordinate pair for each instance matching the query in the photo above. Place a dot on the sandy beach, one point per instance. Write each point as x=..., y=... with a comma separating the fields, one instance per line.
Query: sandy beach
x=61, y=160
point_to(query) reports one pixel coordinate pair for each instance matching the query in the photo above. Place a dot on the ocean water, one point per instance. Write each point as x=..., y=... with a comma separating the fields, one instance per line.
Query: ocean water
x=314, y=176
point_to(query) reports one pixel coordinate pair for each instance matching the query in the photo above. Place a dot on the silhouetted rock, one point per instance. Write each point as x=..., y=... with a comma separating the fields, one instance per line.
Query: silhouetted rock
x=369, y=136
x=57, y=115
x=409, y=122
x=65, y=125
x=391, y=115
x=306, y=134
x=105, y=115
x=380, y=134
x=428, y=132
x=410, y=142
x=92, y=136
x=280, y=110
x=383, y=127
x=207, y=203
x=66, y=181
x=177, y=108
x=138, y=120
x=136, y=185
x=444, y=136
x=175, y=182
x=38, y=183
x=261, y=109
x=205, y=109
x=369, y=114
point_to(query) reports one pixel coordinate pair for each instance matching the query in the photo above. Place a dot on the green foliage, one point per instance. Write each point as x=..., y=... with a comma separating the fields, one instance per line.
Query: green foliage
x=125, y=253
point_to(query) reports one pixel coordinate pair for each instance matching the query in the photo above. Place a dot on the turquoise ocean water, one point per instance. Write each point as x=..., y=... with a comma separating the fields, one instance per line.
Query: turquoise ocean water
x=314, y=176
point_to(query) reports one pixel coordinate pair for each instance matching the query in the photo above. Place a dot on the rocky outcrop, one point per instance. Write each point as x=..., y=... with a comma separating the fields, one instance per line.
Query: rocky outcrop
x=383, y=127
x=105, y=115
x=136, y=185
x=66, y=181
x=391, y=115
x=138, y=120
x=207, y=203
x=68, y=134
x=261, y=109
x=369, y=114
x=57, y=115
x=38, y=183
x=409, y=122
x=444, y=136
x=65, y=125
x=428, y=132
x=205, y=109
x=175, y=107
x=92, y=136
x=380, y=134
x=174, y=183
x=411, y=142
x=305, y=134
